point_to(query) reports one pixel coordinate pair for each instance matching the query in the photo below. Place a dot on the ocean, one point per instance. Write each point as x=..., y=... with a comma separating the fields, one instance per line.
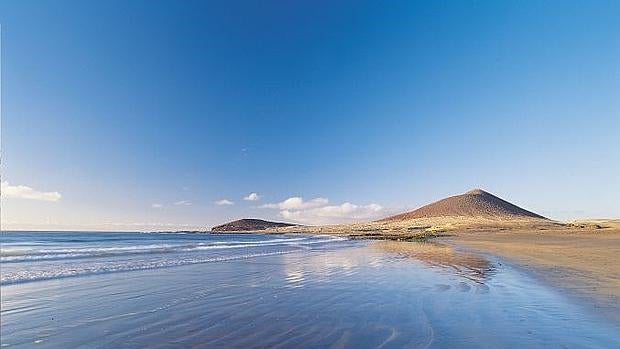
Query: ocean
x=169, y=290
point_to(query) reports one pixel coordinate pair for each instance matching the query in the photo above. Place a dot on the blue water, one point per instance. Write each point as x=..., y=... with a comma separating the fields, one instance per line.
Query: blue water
x=35, y=256
x=111, y=290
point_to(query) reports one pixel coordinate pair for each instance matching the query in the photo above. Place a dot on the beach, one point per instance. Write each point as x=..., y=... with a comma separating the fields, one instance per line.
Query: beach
x=583, y=261
x=289, y=290
x=581, y=258
x=298, y=174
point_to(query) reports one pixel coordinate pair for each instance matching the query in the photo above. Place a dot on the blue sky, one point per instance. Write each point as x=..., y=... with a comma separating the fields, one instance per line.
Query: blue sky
x=142, y=115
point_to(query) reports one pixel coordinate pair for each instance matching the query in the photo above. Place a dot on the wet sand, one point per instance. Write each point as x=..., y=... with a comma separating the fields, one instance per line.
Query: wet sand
x=584, y=261
x=581, y=257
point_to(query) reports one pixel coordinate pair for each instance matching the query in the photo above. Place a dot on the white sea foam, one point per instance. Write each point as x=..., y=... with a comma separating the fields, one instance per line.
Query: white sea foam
x=72, y=270
x=59, y=259
x=13, y=255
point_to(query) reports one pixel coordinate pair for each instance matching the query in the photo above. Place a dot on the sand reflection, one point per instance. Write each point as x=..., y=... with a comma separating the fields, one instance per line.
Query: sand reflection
x=322, y=267
x=468, y=265
x=348, y=261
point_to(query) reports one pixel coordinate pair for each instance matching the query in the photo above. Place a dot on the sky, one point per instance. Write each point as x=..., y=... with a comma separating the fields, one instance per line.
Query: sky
x=165, y=115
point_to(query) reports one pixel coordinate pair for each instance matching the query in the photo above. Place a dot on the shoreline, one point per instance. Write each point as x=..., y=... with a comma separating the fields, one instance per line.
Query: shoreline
x=352, y=293
x=580, y=258
x=586, y=265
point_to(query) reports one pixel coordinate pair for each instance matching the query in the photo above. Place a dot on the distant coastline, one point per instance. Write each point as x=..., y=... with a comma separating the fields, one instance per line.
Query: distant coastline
x=470, y=211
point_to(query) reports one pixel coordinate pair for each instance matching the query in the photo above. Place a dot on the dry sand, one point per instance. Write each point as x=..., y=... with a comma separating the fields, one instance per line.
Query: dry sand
x=583, y=258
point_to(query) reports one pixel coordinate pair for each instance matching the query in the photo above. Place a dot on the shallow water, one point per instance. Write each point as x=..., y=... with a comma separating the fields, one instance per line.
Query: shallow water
x=65, y=290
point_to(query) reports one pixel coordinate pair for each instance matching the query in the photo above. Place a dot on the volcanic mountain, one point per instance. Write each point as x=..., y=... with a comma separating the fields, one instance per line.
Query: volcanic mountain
x=249, y=225
x=474, y=203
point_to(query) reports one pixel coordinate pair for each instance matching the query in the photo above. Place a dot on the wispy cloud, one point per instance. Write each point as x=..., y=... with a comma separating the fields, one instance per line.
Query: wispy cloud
x=25, y=192
x=183, y=203
x=157, y=205
x=224, y=202
x=252, y=197
x=318, y=211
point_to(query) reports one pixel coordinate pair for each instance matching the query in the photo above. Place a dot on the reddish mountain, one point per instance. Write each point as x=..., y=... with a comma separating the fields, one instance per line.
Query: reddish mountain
x=474, y=203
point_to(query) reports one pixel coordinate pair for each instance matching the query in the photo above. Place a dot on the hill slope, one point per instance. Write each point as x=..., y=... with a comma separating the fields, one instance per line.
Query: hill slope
x=249, y=225
x=474, y=203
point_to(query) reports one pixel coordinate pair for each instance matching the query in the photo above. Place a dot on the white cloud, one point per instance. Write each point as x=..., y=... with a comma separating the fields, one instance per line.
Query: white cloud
x=252, y=197
x=224, y=202
x=183, y=203
x=317, y=211
x=25, y=192
x=298, y=203
x=157, y=205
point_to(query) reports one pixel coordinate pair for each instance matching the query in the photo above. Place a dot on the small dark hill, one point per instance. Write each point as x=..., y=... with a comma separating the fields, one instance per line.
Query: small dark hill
x=474, y=203
x=249, y=225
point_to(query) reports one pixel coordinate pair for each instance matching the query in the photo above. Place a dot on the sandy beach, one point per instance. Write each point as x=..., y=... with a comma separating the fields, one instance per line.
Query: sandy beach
x=294, y=174
x=583, y=261
x=287, y=291
x=580, y=257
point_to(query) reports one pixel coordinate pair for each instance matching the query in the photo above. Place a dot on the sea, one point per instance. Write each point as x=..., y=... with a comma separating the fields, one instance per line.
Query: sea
x=200, y=290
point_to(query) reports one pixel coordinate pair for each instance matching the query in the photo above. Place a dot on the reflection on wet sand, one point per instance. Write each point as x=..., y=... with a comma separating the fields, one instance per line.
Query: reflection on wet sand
x=412, y=294
x=347, y=294
x=326, y=267
x=470, y=266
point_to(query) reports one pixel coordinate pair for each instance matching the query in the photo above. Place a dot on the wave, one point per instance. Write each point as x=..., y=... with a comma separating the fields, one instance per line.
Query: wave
x=8, y=255
x=23, y=276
